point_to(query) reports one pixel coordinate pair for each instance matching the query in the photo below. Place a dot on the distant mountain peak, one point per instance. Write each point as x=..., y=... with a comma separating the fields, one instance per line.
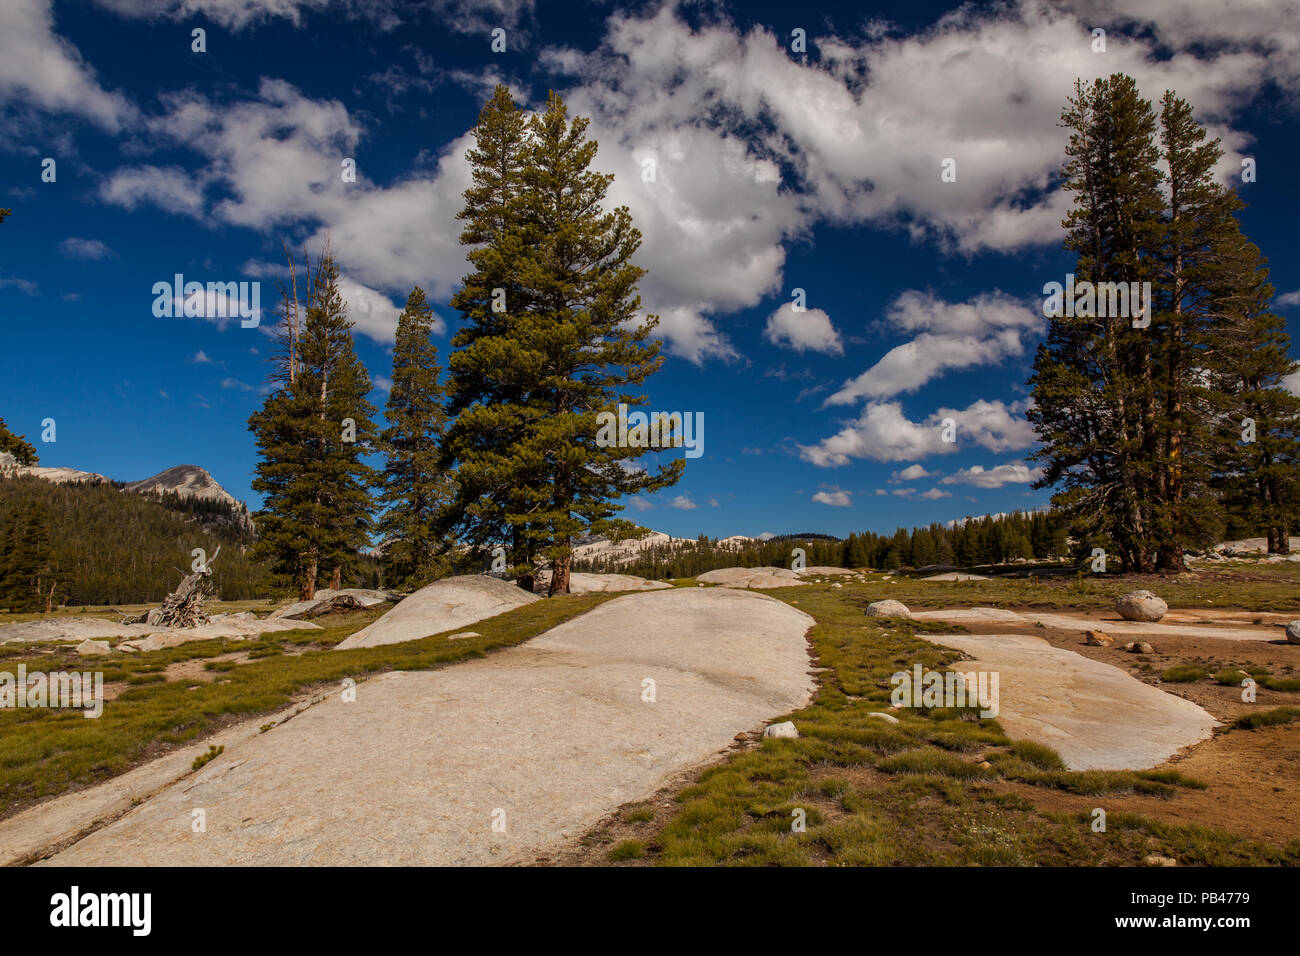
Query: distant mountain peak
x=188, y=481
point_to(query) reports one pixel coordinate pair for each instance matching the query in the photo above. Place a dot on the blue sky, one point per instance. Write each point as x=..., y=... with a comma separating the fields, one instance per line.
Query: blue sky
x=775, y=170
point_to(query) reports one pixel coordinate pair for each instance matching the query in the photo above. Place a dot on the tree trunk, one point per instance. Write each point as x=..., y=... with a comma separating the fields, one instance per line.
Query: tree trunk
x=307, y=591
x=336, y=579
x=560, y=575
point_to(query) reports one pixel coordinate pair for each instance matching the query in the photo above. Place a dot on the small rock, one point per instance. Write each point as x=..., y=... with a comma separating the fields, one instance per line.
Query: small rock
x=1156, y=859
x=1141, y=606
x=985, y=765
x=837, y=585
x=784, y=729
x=1293, y=632
x=1098, y=639
x=887, y=718
x=1139, y=647
x=90, y=648
x=888, y=609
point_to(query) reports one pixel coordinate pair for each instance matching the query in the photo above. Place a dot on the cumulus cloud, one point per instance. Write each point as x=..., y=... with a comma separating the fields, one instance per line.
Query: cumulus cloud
x=910, y=473
x=935, y=493
x=806, y=330
x=884, y=433
x=683, y=502
x=1011, y=473
x=836, y=498
x=982, y=331
x=752, y=148
x=1289, y=298
x=170, y=188
x=40, y=69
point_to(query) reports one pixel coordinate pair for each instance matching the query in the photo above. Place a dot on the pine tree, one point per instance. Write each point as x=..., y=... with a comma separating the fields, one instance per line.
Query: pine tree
x=311, y=433
x=1095, y=398
x=484, y=385
x=17, y=445
x=415, y=490
x=528, y=383
x=1257, y=419
x=4, y=213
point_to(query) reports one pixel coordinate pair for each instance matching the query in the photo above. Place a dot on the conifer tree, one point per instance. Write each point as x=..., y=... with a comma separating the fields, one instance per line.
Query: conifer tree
x=485, y=382
x=533, y=374
x=415, y=491
x=311, y=432
x=1094, y=381
x=1257, y=420
x=17, y=445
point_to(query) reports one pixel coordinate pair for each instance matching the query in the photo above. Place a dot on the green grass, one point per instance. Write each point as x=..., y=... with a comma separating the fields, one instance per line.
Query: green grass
x=1268, y=718
x=1184, y=674
x=44, y=752
x=1244, y=586
x=627, y=850
x=930, y=790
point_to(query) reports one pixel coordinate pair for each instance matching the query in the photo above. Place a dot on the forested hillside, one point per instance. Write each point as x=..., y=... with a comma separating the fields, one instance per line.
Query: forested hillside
x=100, y=545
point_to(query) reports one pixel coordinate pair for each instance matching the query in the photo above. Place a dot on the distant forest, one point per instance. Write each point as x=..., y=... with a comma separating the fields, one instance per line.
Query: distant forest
x=976, y=541
x=100, y=545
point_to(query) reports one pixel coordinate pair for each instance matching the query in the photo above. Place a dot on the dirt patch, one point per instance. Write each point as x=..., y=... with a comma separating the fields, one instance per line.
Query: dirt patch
x=196, y=670
x=1253, y=788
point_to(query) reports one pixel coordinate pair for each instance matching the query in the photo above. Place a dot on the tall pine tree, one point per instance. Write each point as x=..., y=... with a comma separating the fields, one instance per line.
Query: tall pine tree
x=415, y=490
x=311, y=432
x=552, y=337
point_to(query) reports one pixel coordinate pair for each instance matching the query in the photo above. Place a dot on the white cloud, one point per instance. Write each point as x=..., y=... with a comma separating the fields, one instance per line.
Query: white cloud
x=982, y=331
x=1289, y=298
x=1011, y=473
x=752, y=147
x=935, y=493
x=835, y=498
x=807, y=330
x=381, y=382
x=684, y=503
x=637, y=503
x=883, y=433
x=462, y=16
x=910, y=473
x=236, y=384
x=40, y=69
x=170, y=188
x=75, y=248
x=200, y=358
